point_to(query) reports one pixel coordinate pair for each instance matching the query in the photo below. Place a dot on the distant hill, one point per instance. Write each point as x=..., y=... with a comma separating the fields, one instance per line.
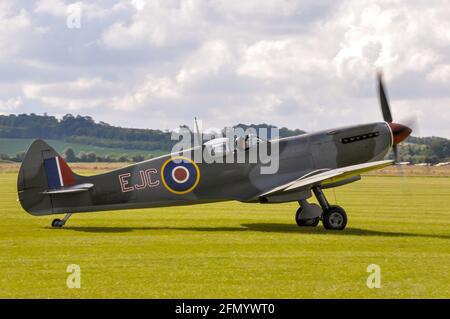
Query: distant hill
x=283, y=132
x=88, y=140
x=425, y=150
x=12, y=146
x=82, y=133
x=82, y=130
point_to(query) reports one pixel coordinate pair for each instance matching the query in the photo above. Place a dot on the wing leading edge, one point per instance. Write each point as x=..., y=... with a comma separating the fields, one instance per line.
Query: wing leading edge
x=329, y=177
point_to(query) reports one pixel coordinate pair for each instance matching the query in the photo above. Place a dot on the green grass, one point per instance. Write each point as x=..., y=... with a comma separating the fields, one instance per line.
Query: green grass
x=12, y=146
x=237, y=250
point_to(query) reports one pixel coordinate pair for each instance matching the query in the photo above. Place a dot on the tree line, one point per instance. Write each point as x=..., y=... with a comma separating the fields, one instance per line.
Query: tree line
x=84, y=130
x=425, y=150
x=82, y=157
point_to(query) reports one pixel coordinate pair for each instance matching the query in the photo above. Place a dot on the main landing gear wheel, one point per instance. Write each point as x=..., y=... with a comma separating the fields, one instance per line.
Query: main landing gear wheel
x=310, y=222
x=334, y=218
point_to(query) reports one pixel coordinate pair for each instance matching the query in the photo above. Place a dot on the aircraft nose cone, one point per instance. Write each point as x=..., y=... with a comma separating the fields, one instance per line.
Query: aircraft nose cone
x=399, y=132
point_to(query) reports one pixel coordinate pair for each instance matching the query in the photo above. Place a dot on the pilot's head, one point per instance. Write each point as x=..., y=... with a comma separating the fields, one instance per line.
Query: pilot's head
x=240, y=143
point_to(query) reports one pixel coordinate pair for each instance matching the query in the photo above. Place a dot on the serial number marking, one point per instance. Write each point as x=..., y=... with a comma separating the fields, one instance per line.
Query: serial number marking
x=145, y=180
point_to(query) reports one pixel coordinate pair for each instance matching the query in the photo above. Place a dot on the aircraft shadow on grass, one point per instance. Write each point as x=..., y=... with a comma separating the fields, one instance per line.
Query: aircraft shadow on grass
x=261, y=227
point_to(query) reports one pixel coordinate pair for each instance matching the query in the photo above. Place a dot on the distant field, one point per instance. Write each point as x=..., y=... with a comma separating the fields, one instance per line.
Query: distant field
x=96, y=168
x=11, y=146
x=234, y=250
x=412, y=170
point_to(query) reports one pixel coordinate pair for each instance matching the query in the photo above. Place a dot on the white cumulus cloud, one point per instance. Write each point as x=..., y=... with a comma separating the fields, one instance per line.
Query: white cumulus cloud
x=301, y=64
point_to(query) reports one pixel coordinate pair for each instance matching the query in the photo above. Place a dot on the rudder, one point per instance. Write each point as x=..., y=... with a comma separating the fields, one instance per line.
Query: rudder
x=42, y=169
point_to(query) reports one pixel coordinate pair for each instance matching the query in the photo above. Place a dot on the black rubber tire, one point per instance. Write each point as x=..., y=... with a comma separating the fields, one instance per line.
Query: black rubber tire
x=334, y=218
x=311, y=222
x=57, y=223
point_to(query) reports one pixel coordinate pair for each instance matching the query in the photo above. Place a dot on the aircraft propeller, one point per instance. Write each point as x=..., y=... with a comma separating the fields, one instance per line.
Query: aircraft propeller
x=399, y=131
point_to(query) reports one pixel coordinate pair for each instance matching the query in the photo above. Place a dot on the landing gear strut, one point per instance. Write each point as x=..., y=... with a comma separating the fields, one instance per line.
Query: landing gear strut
x=333, y=217
x=58, y=223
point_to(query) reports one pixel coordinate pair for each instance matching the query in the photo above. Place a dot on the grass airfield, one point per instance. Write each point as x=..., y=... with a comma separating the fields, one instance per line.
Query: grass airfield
x=234, y=250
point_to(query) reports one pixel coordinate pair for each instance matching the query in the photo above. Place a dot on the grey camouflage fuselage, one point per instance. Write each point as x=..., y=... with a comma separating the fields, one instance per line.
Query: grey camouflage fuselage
x=141, y=185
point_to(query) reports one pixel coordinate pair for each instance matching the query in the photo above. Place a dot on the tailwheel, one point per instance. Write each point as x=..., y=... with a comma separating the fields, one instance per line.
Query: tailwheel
x=309, y=222
x=57, y=223
x=334, y=218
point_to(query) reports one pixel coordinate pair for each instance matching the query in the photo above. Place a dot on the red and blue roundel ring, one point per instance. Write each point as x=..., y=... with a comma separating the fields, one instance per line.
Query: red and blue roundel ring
x=180, y=175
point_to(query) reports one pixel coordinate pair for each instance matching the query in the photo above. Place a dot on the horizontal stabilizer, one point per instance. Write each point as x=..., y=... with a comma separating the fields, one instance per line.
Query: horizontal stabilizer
x=71, y=189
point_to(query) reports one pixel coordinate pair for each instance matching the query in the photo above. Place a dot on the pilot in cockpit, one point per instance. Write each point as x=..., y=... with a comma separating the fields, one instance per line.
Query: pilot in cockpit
x=240, y=143
x=243, y=142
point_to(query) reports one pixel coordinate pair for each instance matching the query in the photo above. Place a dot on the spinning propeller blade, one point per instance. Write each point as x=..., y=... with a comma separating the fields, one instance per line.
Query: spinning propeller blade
x=399, y=132
x=384, y=103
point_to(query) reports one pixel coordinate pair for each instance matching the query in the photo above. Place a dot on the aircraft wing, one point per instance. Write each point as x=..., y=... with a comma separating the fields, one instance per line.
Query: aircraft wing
x=327, y=177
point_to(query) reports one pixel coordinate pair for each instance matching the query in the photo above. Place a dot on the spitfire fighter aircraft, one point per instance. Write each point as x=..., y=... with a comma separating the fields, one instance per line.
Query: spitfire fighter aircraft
x=308, y=164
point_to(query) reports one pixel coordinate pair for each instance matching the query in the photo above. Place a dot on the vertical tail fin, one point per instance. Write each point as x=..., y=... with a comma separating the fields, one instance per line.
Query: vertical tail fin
x=42, y=169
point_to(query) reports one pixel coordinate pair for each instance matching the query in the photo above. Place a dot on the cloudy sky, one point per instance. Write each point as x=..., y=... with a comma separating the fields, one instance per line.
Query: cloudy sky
x=306, y=64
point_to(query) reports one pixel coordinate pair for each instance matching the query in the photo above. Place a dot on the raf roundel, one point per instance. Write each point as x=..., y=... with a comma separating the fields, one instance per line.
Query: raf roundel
x=180, y=175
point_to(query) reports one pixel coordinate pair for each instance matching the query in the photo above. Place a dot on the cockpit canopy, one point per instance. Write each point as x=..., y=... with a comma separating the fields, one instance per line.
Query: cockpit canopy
x=247, y=141
x=218, y=146
x=222, y=145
